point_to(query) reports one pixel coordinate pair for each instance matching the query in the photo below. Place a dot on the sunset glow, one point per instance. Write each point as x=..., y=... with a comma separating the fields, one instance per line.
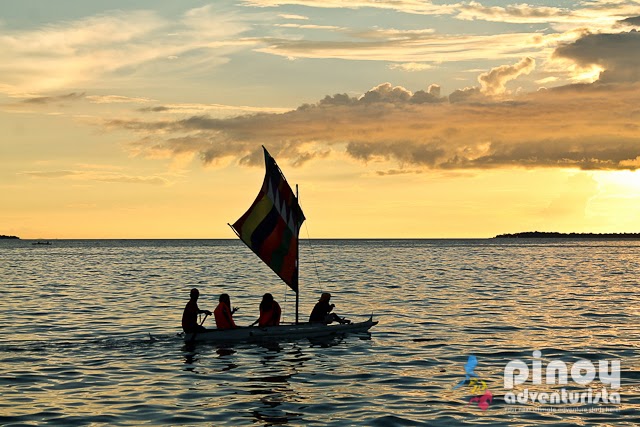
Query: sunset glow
x=396, y=118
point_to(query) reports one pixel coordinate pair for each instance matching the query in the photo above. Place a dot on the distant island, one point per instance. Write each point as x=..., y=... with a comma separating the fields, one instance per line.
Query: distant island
x=554, y=234
x=2, y=236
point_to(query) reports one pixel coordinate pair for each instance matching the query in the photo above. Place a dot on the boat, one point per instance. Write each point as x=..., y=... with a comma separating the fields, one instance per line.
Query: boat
x=290, y=332
x=270, y=228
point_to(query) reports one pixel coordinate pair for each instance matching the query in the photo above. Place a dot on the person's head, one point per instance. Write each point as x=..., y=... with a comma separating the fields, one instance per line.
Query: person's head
x=267, y=302
x=225, y=299
x=325, y=297
x=194, y=293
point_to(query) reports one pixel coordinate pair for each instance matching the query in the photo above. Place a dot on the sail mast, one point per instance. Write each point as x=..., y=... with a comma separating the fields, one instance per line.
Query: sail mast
x=297, y=263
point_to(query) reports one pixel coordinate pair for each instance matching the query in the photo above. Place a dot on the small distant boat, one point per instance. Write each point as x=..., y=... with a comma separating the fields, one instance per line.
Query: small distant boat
x=41, y=243
x=270, y=228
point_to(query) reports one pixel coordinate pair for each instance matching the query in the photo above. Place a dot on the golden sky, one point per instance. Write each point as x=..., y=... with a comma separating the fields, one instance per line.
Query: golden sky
x=145, y=119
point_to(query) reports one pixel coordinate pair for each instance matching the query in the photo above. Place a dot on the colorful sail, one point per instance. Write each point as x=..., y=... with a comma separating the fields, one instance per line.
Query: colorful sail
x=271, y=225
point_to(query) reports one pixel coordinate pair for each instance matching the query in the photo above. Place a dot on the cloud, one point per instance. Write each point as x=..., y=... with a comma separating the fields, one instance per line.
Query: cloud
x=392, y=172
x=549, y=129
x=581, y=126
x=386, y=93
x=586, y=14
x=408, y=6
x=145, y=46
x=51, y=174
x=550, y=79
x=157, y=109
x=88, y=50
x=411, y=66
x=431, y=95
x=493, y=83
x=595, y=14
x=61, y=99
x=519, y=13
x=218, y=110
x=413, y=46
x=393, y=34
x=632, y=21
x=308, y=26
x=290, y=16
x=617, y=54
x=117, y=99
x=465, y=95
x=99, y=174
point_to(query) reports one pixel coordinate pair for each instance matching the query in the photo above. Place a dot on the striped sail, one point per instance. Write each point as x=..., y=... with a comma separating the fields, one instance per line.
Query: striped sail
x=271, y=225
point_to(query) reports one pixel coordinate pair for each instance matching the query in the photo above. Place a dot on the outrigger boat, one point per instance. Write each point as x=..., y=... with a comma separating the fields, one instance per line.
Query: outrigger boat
x=289, y=332
x=270, y=228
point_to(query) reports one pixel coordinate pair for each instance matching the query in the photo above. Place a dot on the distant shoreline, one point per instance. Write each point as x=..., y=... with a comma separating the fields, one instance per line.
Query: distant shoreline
x=554, y=234
x=2, y=236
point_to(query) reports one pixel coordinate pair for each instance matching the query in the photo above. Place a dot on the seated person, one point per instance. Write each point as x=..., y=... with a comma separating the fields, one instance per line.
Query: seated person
x=223, y=313
x=190, y=314
x=322, y=311
x=269, y=312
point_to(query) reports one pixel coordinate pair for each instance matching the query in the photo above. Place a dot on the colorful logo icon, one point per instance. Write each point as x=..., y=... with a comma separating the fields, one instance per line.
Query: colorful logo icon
x=482, y=395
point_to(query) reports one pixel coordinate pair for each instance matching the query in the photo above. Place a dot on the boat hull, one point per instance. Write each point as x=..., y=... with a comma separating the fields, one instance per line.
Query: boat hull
x=279, y=333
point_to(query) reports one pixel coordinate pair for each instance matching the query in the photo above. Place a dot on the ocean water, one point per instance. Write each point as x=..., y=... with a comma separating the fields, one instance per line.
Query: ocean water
x=88, y=333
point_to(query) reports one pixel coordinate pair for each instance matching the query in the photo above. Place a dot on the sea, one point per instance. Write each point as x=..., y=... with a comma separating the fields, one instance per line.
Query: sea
x=491, y=332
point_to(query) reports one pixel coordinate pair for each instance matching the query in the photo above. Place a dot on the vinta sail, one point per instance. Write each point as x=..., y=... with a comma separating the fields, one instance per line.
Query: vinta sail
x=270, y=227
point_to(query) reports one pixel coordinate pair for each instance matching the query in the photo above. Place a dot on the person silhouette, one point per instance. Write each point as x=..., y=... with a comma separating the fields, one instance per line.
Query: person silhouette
x=322, y=311
x=270, y=312
x=223, y=313
x=190, y=314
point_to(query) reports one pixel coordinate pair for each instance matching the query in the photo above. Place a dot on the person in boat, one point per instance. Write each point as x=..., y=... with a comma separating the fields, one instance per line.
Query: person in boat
x=322, y=312
x=223, y=313
x=270, y=312
x=190, y=314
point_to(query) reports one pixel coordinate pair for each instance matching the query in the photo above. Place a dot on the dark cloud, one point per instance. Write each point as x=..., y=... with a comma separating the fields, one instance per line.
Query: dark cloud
x=618, y=54
x=466, y=94
x=430, y=96
x=599, y=152
x=398, y=172
x=633, y=22
x=338, y=99
x=586, y=127
x=583, y=127
x=407, y=152
x=157, y=109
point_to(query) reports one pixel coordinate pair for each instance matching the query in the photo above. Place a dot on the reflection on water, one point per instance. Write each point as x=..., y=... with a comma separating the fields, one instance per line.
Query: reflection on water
x=88, y=332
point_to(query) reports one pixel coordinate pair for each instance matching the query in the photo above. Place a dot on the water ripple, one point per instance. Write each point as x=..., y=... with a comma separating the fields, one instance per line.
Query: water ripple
x=88, y=331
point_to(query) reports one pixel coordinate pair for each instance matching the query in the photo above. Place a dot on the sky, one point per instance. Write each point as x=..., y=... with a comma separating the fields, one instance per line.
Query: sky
x=396, y=118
